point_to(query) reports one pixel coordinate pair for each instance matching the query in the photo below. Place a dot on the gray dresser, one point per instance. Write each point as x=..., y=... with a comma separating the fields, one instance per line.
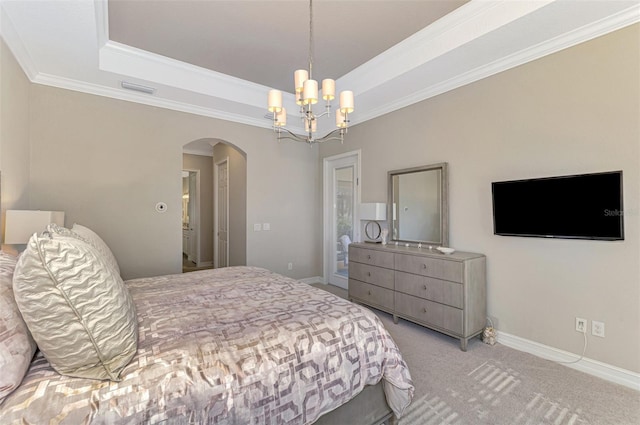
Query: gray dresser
x=446, y=293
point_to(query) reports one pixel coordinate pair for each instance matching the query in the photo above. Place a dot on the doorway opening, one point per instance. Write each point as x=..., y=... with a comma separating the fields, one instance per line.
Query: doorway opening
x=221, y=203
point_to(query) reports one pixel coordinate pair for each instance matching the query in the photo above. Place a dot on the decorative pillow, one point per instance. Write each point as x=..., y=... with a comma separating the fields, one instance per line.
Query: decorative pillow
x=17, y=347
x=76, y=306
x=96, y=241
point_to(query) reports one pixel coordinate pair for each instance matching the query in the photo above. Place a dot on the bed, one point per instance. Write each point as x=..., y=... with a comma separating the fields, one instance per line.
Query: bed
x=238, y=345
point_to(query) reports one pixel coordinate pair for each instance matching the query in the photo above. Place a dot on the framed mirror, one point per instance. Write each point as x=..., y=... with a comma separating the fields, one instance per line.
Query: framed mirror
x=418, y=207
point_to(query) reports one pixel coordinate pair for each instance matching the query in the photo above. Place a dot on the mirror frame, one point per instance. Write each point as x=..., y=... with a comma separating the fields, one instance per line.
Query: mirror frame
x=444, y=203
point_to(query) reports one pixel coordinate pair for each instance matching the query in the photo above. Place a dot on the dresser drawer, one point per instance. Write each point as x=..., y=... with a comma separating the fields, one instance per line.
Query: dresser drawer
x=371, y=294
x=433, y=267
x=441, y=291
x=430, y=313
x=371, y=256
x=371, y=274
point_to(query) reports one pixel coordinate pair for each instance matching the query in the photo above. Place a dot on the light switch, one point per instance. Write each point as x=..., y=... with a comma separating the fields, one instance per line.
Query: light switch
x=257, y=227
x=266, y=226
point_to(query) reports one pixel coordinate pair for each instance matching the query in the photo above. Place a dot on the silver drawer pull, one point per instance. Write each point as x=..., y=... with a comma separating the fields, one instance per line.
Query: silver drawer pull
x=369, y=274
x=369, y=292
x=424, y=309
x=424, y=266
x=368, y=257
x=424, y=287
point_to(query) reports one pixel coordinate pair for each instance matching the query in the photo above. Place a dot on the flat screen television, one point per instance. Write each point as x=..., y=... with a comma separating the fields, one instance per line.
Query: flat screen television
x=585, y=206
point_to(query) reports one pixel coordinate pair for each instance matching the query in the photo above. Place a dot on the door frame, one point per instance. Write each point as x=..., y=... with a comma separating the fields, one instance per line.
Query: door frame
x=216, y=176
x=328, y=165
x=196, y=218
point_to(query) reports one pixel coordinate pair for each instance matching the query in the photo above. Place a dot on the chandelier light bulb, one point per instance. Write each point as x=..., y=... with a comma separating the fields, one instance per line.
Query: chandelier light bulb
x=313, y=128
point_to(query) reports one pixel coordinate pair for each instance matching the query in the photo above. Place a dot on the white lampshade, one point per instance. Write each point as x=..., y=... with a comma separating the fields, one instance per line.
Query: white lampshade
x=299, y=77
x=310, y=92
x=328, y=89
x=340, y=120
x=373, y=211
x=346, y=102
x=314, y=126
x=275, y=101
x=281, y=118
x=20, y=225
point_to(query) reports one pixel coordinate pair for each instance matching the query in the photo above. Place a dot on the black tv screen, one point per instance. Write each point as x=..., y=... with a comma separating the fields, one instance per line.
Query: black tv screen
x=586, y=206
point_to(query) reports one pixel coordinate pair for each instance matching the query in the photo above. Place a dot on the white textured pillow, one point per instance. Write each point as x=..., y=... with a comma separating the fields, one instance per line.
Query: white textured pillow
x=76, y=306
x=97, y=242
x=17, y=347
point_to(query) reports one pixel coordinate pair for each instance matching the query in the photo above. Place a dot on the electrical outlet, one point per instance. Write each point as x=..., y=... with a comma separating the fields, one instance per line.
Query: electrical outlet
x=597, y=328
x=290, y=266
x=581, y=325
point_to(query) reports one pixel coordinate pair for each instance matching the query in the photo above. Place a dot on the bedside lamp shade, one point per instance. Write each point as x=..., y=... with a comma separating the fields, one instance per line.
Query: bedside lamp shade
x=21, y=224
x=376, y=211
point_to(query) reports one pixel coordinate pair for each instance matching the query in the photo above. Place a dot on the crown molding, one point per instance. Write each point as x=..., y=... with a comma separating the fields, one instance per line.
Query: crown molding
x=16, y=45
x=100, y=90
x=572, y=38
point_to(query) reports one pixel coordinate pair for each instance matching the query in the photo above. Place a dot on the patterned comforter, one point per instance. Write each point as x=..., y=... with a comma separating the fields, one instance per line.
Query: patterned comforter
x=239, y=345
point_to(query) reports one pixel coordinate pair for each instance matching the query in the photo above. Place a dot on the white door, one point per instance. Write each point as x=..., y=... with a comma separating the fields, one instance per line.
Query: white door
x=221, y=248
x=193, y=209
x=341, y=200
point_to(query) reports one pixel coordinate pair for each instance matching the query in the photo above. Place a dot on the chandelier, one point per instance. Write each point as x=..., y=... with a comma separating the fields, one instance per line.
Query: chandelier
x=306, y=95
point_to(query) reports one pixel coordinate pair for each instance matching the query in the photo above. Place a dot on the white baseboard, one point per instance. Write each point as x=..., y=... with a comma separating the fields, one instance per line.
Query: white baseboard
x=314, y=279
x=205, y=264
x=592, y=367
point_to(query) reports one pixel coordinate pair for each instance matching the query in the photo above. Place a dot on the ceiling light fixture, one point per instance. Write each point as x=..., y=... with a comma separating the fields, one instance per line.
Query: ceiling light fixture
x=306, y=92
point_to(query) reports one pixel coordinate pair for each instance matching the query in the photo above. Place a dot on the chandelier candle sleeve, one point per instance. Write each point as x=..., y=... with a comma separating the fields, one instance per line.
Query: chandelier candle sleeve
x=340, y=120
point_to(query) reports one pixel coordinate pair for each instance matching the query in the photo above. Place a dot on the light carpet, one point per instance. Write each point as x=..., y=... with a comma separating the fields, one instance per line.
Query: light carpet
x=499, y=385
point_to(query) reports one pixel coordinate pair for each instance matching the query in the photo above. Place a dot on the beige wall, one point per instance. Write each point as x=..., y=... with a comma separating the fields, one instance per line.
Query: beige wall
x=14, y=133
x=572, y=112
x=108, y=162
x=237, y=201
x=203, y=164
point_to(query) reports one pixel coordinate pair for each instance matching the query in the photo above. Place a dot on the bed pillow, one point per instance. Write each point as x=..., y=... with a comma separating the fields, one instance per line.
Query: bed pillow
x=97, y=242
x=76, y=306
x=17, y=347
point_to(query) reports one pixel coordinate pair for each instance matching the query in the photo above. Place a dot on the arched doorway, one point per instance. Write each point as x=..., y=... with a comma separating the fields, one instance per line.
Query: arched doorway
x=216, y=214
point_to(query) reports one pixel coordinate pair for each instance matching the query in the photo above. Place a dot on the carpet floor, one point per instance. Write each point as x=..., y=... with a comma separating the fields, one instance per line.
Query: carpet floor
x=498, y=385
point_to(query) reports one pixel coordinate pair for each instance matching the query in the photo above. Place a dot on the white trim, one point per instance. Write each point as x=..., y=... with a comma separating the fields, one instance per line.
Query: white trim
x=314, y=279
x=199, y=152
x=16, y=45
x=216, y=176
x=144, y=99
x=572, y=38
x=326, y=212
x=592, y=367
x=196, y=219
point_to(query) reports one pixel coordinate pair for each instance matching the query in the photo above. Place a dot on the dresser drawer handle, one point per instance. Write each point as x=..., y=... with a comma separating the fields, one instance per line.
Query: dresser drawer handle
x=368, y=257
x=424, y=266
x=424, y=287
x=369, y=274
x=424, y=309
x=369, y=292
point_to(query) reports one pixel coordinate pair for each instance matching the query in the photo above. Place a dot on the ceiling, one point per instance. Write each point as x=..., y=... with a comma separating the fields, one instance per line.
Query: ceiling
x=220, y=58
